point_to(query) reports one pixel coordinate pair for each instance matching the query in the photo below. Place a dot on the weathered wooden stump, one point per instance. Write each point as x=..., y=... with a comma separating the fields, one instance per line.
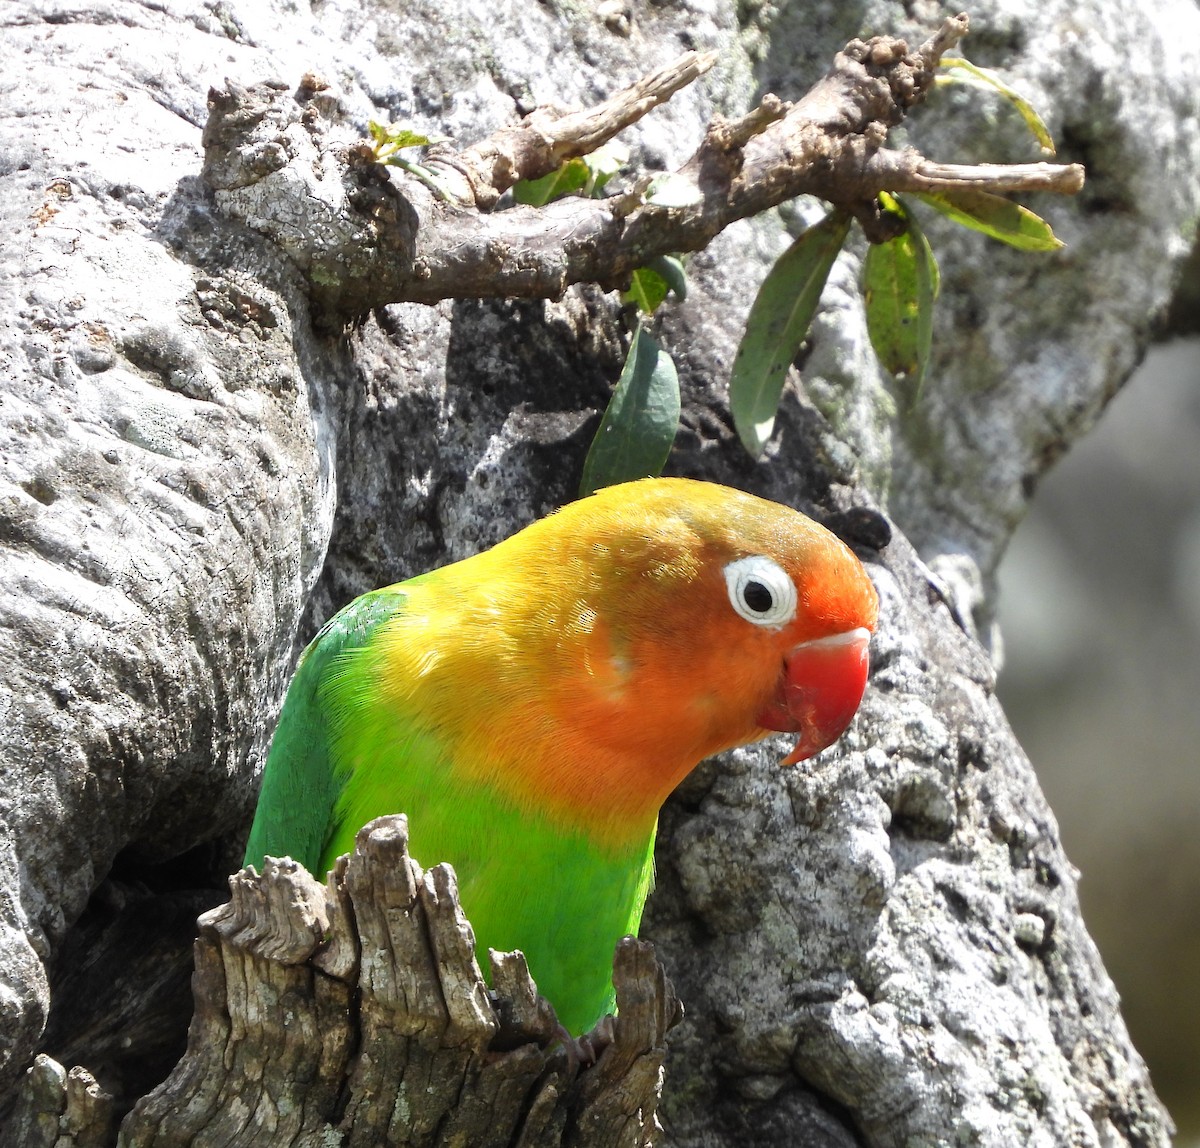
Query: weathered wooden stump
x=354, y=1013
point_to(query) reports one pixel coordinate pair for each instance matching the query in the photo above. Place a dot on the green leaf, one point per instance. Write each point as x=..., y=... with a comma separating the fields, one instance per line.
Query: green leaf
x=638, y=428
x=587, y=173
x=995, y=216
x=670, y=267
x=777, y=325
x=570, y=177
x=604, y=163
x=900, y=283
x=647, y=288
x=978, y=77
x=649, y=285
x=402, y=137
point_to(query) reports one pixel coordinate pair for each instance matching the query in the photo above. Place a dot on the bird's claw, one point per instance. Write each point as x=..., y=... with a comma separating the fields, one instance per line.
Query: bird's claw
x=583, y=1051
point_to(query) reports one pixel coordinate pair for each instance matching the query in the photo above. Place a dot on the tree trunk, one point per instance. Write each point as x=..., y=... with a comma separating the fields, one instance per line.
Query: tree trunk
x=199, y=465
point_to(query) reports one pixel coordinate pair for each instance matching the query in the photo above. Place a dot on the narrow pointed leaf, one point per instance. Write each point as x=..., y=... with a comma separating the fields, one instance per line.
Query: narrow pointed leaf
x=638, y=428
x=900, y=285
x=935, y=272
x=984, y=78
x=995, y=216
x=778, y=322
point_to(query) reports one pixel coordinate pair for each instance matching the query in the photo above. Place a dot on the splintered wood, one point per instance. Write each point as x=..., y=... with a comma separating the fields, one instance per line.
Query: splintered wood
x=354, y=1014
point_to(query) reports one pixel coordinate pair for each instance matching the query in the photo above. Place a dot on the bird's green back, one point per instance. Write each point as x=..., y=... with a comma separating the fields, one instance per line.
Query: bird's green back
x=345, y=753
x=300, y=784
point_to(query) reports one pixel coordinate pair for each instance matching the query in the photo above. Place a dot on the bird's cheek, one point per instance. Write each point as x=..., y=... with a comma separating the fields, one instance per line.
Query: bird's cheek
x=818, y=692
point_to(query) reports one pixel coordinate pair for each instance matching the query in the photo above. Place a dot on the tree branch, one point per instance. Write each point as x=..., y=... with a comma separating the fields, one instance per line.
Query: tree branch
x=915, y=173
x=366, y=235
x=547, y=136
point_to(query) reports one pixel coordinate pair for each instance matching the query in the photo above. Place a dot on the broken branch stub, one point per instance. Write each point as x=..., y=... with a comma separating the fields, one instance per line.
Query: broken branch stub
x=366, y=235
x=355, y=1013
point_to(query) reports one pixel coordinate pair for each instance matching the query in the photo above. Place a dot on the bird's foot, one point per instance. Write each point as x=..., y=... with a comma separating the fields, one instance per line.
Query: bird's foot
x=583, y=1051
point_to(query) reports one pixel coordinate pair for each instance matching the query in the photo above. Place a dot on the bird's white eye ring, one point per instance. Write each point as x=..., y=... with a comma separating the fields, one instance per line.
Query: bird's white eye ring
x=761, y=591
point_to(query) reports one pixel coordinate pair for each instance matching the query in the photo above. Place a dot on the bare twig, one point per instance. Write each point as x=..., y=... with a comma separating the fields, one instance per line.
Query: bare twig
x=730, y=134
x=953, y=29
x=1065, y=179
x=577, y=133
x=547, y=137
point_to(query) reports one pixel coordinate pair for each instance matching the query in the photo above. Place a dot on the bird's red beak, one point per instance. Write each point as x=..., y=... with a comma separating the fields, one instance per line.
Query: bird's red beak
x=819, y=690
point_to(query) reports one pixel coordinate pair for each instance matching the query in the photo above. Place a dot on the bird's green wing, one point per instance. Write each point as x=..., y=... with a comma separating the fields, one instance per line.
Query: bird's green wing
x=300, y=784
x=345, y=753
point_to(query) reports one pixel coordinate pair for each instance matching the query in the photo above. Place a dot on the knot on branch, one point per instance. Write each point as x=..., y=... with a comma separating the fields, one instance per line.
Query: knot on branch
x=885, y=59
x=275, y=163
x=356, y=1011
x=243, y=135
x=887, y=79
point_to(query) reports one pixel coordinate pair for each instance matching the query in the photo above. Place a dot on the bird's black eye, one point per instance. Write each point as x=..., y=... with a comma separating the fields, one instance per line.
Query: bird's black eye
x=761, y=591
x=757, y=597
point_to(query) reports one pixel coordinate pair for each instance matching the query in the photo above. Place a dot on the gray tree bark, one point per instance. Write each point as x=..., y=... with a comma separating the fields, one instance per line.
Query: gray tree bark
x=882, y=948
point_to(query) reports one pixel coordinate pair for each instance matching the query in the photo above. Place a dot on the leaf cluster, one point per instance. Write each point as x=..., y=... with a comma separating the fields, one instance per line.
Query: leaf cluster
x=900, y=282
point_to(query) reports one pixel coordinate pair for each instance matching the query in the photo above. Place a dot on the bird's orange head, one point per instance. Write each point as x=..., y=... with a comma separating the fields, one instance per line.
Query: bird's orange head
x=657, y=622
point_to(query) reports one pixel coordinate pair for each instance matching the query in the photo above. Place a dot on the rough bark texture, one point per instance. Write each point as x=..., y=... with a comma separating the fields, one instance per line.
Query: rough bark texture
x=355, y=1013
x=883, y=948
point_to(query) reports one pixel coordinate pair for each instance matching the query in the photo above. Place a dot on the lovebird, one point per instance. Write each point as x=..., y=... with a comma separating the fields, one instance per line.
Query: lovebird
x=530, y=708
